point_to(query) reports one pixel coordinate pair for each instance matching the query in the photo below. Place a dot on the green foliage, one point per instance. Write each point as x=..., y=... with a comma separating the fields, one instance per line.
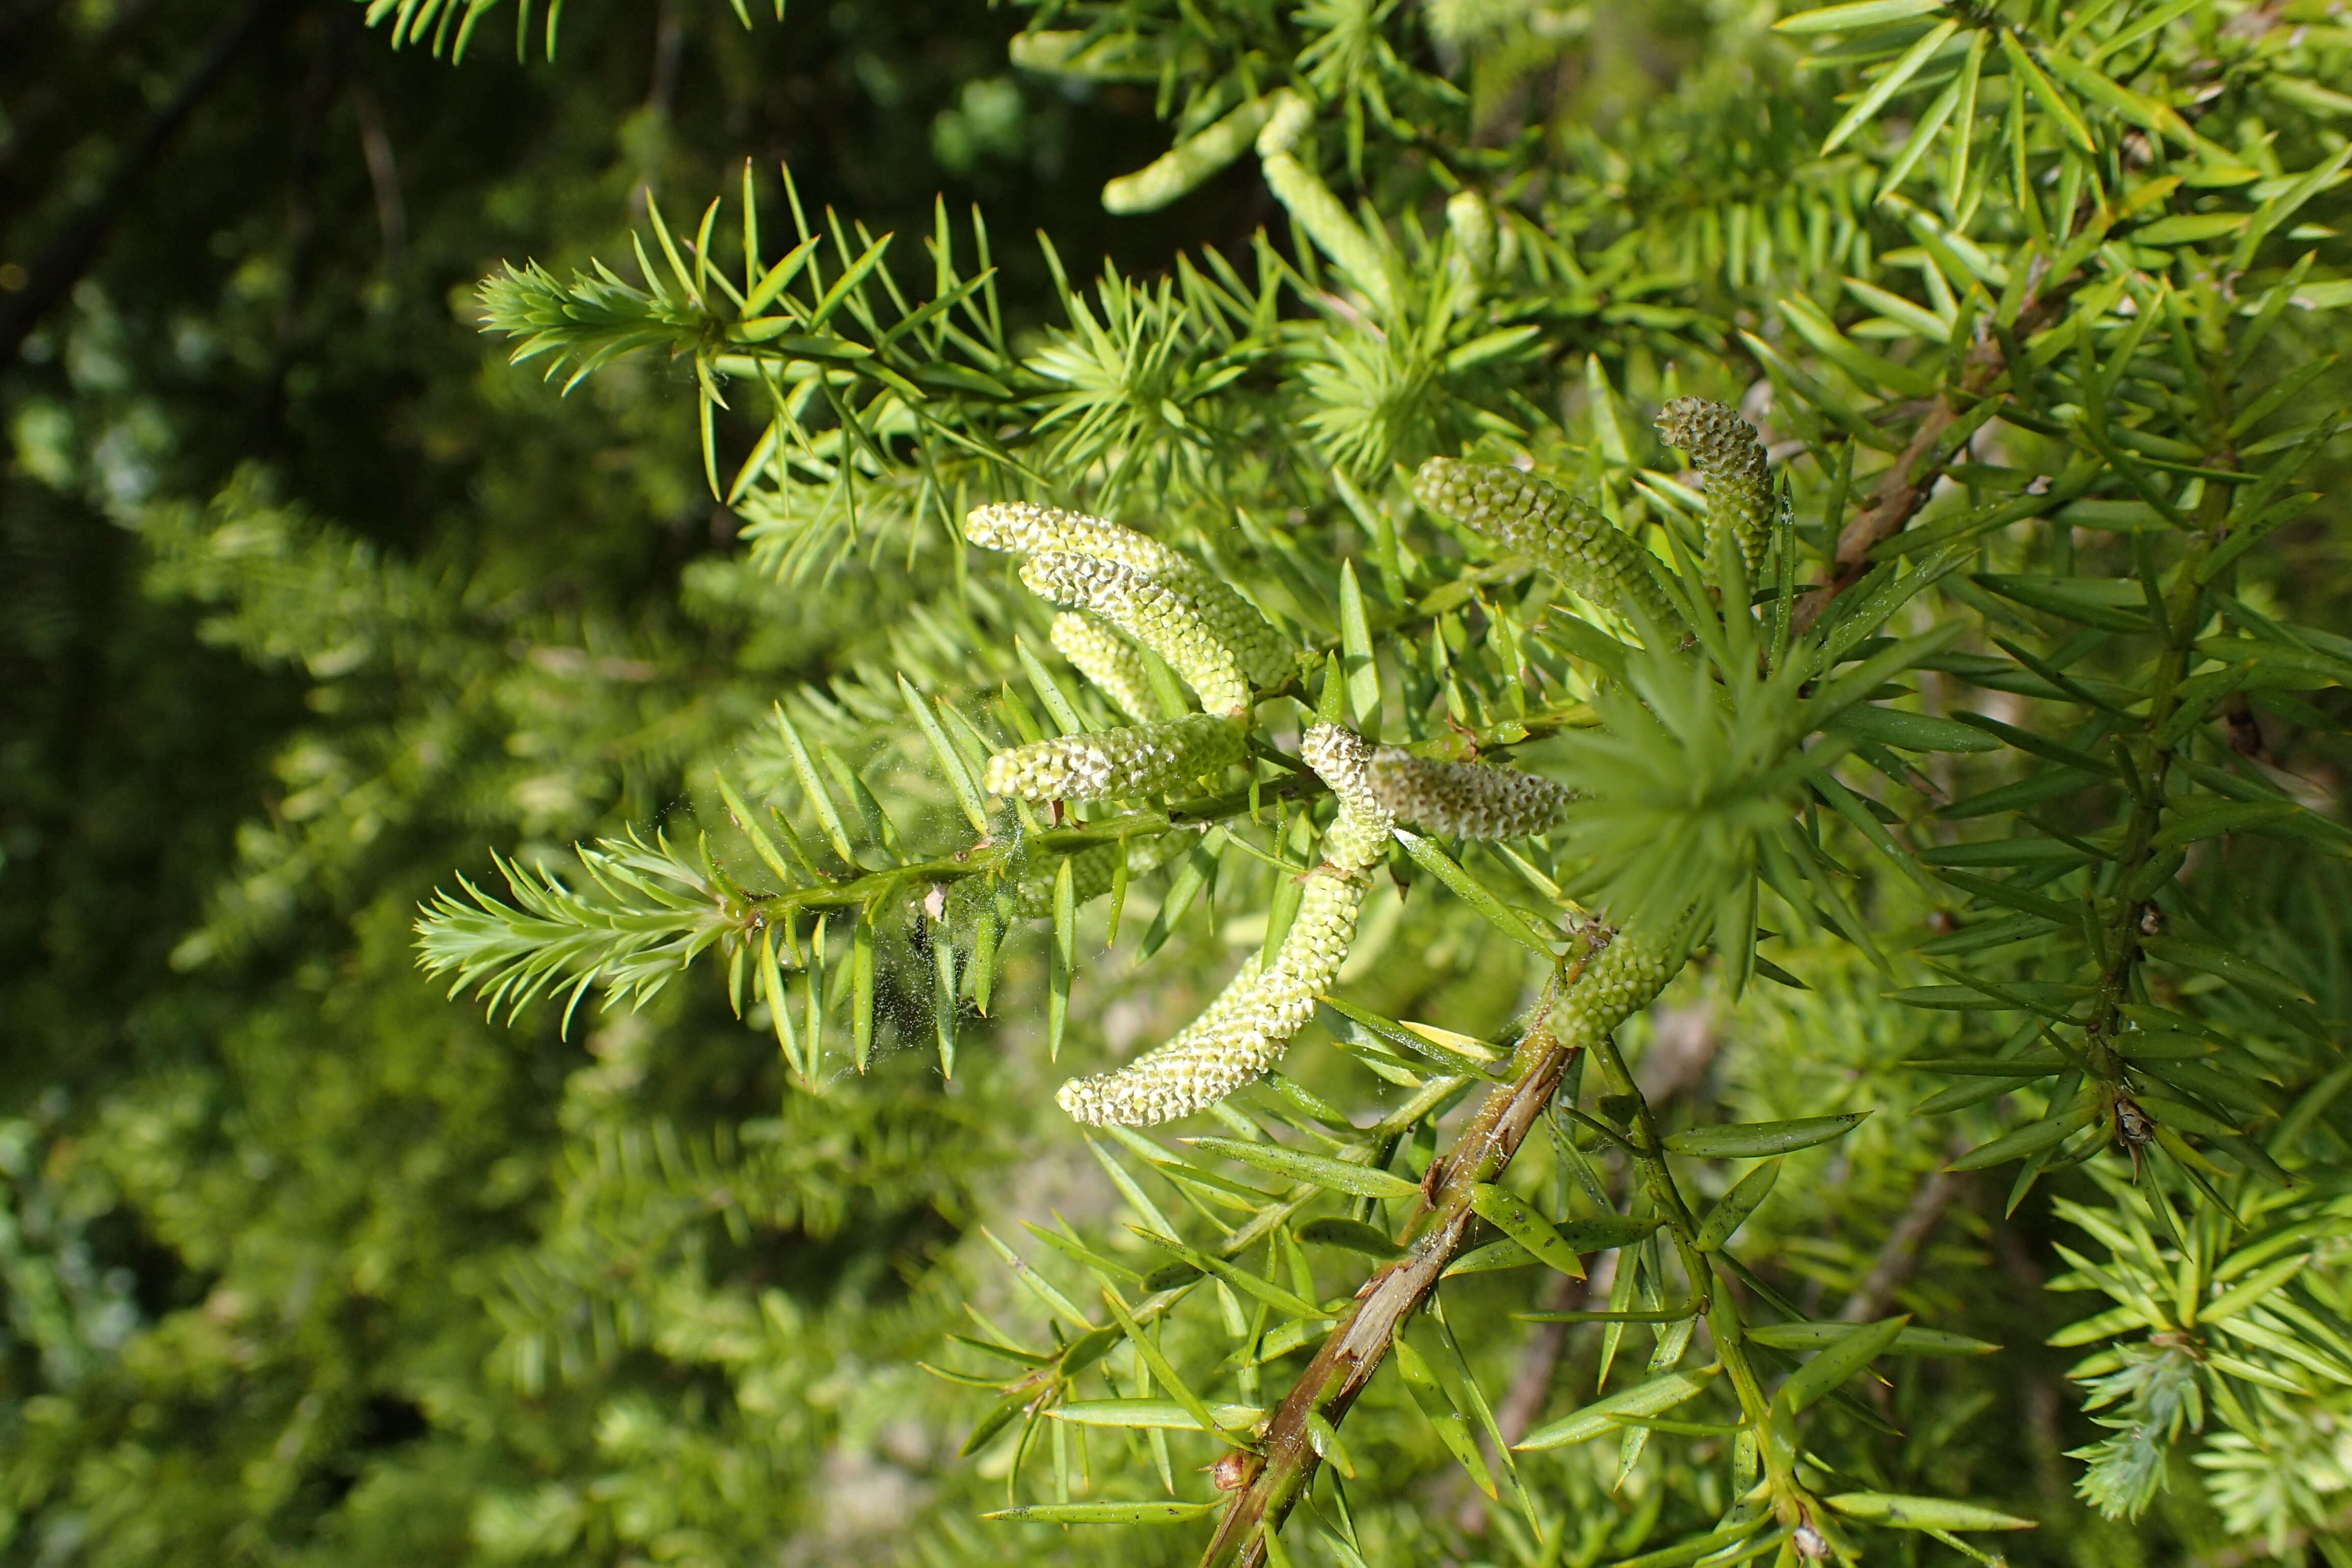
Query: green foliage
x=1973, y=685
x=2086, y=362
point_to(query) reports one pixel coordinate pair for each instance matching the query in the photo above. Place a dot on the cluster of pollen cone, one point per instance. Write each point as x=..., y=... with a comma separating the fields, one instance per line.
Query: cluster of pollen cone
x=1123, y=593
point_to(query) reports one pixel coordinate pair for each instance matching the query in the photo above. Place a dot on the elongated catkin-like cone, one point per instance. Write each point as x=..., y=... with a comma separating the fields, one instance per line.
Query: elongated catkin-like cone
x=1090, y=871
x=1108, y=660
x=1467, y=800
x=1552, y=527
x=1724, y=448
x=1618, y=980
x=1133, y=759
x=1246, y=1030
x=1030, y=530
x=1359, y=835
x=1027, y=529
x=1158, y=617
x=1292, y=118
x=1326, y=221
x=1191, y=160
x=1472, y=222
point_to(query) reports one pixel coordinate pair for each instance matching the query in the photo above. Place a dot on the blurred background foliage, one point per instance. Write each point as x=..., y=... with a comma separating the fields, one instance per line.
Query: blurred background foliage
x=309, y=596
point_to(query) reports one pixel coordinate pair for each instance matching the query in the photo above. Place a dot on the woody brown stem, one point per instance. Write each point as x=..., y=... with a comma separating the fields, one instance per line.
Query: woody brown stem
x=1904, y=488
x=1356, y=1347
x=1900, y=1257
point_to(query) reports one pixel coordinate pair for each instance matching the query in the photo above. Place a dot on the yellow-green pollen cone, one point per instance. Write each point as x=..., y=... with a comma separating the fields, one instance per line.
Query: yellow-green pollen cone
x=1725, y=450
x=1618, y=980
x=1184, y=167
x=1155, y=615
x=1108, y=661
x=1467, y=800
x=1092, y=872
x=1246, y=1030
x=1027, y=529
x=1117, y=584
x=1537, y=519
x=1108, y=764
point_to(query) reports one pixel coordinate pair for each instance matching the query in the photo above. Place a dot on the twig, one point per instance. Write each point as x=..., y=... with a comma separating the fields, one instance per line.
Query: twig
x=61, y=266
x=1356, y=1347
x=384, y=174
x=1682, y=1050
x=1900, y=1256
x=1904, y=488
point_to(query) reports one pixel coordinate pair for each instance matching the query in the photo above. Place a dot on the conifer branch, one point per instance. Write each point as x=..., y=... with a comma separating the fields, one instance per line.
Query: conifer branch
x=1583, y=1005
x=1352, y=1352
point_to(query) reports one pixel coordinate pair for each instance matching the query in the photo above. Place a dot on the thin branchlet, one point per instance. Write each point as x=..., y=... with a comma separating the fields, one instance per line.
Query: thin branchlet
x=1617, y=973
